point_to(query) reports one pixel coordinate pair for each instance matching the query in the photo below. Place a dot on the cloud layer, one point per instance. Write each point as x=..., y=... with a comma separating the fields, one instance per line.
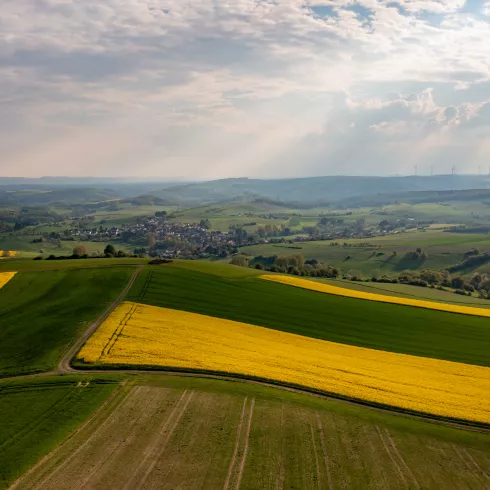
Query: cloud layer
x=207, y=89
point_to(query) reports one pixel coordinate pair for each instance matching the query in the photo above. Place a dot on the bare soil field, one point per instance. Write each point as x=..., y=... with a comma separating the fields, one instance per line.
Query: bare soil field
x=182, y=437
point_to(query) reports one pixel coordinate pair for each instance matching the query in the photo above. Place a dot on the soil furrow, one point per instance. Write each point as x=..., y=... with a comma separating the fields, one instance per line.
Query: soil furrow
x=317, y=462
x=245, y=450
x=475, y=464
x=111, y=418
x=393, y=460
x=400, y=458
x=237, y=444
x=325, y=454
x=170, y=422
x=120, y=445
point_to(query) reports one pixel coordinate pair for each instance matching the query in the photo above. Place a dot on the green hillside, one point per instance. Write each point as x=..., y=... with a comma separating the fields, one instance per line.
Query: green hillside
x=42, y=313
x=345, y=320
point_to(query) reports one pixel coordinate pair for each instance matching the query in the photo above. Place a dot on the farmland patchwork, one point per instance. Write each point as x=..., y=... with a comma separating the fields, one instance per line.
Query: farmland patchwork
x=143, y=335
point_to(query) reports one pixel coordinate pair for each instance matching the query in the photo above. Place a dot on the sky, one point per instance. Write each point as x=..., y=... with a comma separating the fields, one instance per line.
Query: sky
x=205, y=89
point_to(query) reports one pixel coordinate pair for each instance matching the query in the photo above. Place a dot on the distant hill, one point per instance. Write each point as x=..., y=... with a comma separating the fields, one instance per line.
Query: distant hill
x=313, y=189
x=40, y=196
x=293, y=193
x=419, y=197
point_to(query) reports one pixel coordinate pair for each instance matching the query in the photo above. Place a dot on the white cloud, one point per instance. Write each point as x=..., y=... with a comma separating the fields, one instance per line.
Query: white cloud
x=210, y=88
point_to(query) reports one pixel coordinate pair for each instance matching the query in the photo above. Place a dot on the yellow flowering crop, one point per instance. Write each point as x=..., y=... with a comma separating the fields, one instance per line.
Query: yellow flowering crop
x=8, y=253
x=136, y=334
x=351, y=293
x=5, y=278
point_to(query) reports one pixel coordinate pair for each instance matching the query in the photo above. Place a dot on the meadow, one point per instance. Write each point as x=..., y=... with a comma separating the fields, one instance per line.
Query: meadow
x=374, y=256
x=203, y=433
x=41, y=414
x=43, y=312
x=146, y=336
x=247, y=298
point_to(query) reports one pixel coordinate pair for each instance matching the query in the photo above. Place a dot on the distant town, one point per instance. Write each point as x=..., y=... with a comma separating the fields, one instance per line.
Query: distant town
x=161, y=236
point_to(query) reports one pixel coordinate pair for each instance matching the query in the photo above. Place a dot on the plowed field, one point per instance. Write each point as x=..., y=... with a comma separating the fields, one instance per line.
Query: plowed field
x=166, y=437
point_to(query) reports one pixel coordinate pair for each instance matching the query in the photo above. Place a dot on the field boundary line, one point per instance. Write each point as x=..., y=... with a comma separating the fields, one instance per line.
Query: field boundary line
x=383, y=298
x=48, y=456
x=393, y=460
x=123, y=402
x=462, y=424
x=401, y=459
x=245, y=449
x=170, y=422
x=325, y=454
x=237, y=444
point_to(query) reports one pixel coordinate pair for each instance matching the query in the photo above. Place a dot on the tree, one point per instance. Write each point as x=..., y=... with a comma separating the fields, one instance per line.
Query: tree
x=240, y=260
x=476, y=279
x=152, y=241
x=80, y=250
x=206, y=224
x=110, y=250
x=457, y=283
x=6, y=253
x=360, y=225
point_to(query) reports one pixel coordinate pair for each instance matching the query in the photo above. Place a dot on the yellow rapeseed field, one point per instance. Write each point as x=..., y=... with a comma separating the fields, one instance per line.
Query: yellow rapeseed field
x=351, y=293
x=136, y=334
x=5, y=277
x=8, y=253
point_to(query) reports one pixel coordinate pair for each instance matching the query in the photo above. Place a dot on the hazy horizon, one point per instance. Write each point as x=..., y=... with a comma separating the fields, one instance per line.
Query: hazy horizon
x=196, y=90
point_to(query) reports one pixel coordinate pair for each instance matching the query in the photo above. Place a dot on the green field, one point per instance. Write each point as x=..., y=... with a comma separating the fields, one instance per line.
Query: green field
x=39, y=415
x=197, y=433
x=43, y=312
x=45, y=265
x=24, y=244
x=351, y=321
x=360, y=257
